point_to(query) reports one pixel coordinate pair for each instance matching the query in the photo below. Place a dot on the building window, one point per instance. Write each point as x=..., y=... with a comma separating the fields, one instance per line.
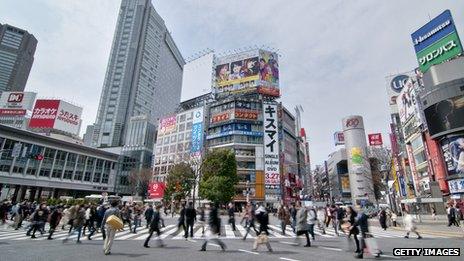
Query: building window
x=87, y=176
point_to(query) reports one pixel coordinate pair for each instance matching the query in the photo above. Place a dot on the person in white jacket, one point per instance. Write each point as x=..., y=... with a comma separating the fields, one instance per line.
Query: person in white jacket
x=321, y=215
x=312, y=220
x=409, y=225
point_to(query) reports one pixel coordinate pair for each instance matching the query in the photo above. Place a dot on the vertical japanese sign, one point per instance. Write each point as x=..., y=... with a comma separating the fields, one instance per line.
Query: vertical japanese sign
x=197, y=132
x=271, y=147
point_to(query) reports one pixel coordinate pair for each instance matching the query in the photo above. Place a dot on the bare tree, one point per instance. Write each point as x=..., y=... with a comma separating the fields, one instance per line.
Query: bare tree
x=139, y=179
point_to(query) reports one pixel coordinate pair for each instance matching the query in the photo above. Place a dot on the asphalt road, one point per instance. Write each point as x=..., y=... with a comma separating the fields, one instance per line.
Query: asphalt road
x=324, y=248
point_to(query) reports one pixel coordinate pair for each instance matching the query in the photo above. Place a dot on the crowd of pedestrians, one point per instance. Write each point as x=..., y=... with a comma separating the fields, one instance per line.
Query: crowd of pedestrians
x=90, y=219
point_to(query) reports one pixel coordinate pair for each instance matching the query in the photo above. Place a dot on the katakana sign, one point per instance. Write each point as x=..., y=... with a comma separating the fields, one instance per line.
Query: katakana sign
x=197, y=131
x=271, y=146
x=56, y=114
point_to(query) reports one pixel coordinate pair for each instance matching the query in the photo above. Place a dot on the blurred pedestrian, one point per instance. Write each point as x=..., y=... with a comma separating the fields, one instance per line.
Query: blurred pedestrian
x=110, y=231
x=215, y=228
x=231, y=213
x=155, y=227
x=302, y=224
x=410, y=225
x=263, y=236
x=54, y=221
x=190, y=218
x=283, y=214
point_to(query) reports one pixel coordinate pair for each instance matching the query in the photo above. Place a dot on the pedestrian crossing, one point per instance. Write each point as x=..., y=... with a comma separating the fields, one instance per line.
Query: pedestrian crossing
x=172, y=232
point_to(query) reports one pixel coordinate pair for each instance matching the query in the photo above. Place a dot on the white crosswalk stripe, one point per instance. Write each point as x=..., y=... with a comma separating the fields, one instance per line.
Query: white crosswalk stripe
x=171, y=232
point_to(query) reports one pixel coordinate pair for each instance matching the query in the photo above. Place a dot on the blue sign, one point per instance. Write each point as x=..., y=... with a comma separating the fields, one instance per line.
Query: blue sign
x=197, y=137
x=433, y=31
x=236, y=126
x=402, y=186
x=399, y=82
x=235, y=132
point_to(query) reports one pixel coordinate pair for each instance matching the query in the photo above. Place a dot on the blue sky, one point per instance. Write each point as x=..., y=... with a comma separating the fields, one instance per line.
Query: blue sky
x=335, y=54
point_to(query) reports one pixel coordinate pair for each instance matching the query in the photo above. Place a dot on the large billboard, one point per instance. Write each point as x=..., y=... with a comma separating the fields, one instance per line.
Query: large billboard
x=56, y=114
x=167, y=125
x=408, y=102
x=456, y=186
x=445, y=116
x=395, y=84
x=16, y=103
x=271, y=147
x=268, y=73
x=436, y=41
x=248, y=71
x=197, y=132
x=237, y=72
x=453, y=152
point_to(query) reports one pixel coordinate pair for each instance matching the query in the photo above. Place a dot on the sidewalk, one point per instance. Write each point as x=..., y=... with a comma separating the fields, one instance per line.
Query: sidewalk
x=428, y=226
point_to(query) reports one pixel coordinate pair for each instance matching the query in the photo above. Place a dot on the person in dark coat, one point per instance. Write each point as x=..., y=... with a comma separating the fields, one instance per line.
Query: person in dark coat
x=231, y=213
x=383, y=219
x=353, y=230
x=54, y=221
x=215, y=227
x=39, y=217
x=155, y=227
x=190, y=217
x=262, y=237
x=149, y=214
x=181, y=220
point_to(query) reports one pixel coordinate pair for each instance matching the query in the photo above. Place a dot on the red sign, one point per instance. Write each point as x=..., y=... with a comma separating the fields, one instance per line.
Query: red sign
x=375, y=139
x=220, y=117
x=12, y=112
x=246, y=114
x=156, y=189
x=44, y=114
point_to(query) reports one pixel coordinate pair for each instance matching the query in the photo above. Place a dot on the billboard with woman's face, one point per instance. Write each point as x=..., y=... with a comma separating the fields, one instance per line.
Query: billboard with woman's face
x=453, y=152
x=445, y=116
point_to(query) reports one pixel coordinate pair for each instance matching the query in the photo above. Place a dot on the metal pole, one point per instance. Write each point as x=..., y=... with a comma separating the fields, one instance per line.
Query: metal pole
x=248, y=191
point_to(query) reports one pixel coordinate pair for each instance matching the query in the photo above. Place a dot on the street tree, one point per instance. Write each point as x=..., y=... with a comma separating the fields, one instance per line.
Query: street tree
x=139, y=179
x=219, y=176
x=179, y=182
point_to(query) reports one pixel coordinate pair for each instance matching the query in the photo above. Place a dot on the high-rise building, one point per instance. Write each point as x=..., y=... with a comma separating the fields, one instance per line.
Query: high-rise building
x=17, y=48
x=144, y=73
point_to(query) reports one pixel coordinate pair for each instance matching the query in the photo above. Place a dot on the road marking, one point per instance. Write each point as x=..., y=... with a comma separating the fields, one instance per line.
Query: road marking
x=395, y=257
x=216, y=245
x=288, y=243
x=288, y=259
x=330, y=248
x=249, y=252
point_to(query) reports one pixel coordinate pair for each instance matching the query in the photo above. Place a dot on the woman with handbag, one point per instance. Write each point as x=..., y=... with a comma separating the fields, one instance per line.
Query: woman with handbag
x=262, y=238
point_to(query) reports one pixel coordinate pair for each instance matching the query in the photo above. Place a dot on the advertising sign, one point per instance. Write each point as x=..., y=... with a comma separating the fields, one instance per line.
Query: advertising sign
x=436, y=41
x=375, y=139
x=453, y=152
x=456, y=186
x=223, y=116
x=44, y=114
x=16, y=103
x=237, y=72
x=431, y=32
x=345, y=181
x=395, y=83
x=68, y=118
x=156, y=190
x=445, y=116
x=167, y=124
x=246, y=114
x=339, y=138
x=442, y=50
x=271, y=146
x=407, y=101
x=197, y=131
x=268, y=73
x=56, y=114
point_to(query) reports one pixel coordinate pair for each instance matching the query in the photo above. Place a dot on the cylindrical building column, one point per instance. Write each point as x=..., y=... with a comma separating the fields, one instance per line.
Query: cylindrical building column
x=359, y=168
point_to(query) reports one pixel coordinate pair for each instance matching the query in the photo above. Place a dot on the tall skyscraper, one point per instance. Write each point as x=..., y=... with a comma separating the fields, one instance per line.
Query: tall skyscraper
x=17, y=48
x=144, y=74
